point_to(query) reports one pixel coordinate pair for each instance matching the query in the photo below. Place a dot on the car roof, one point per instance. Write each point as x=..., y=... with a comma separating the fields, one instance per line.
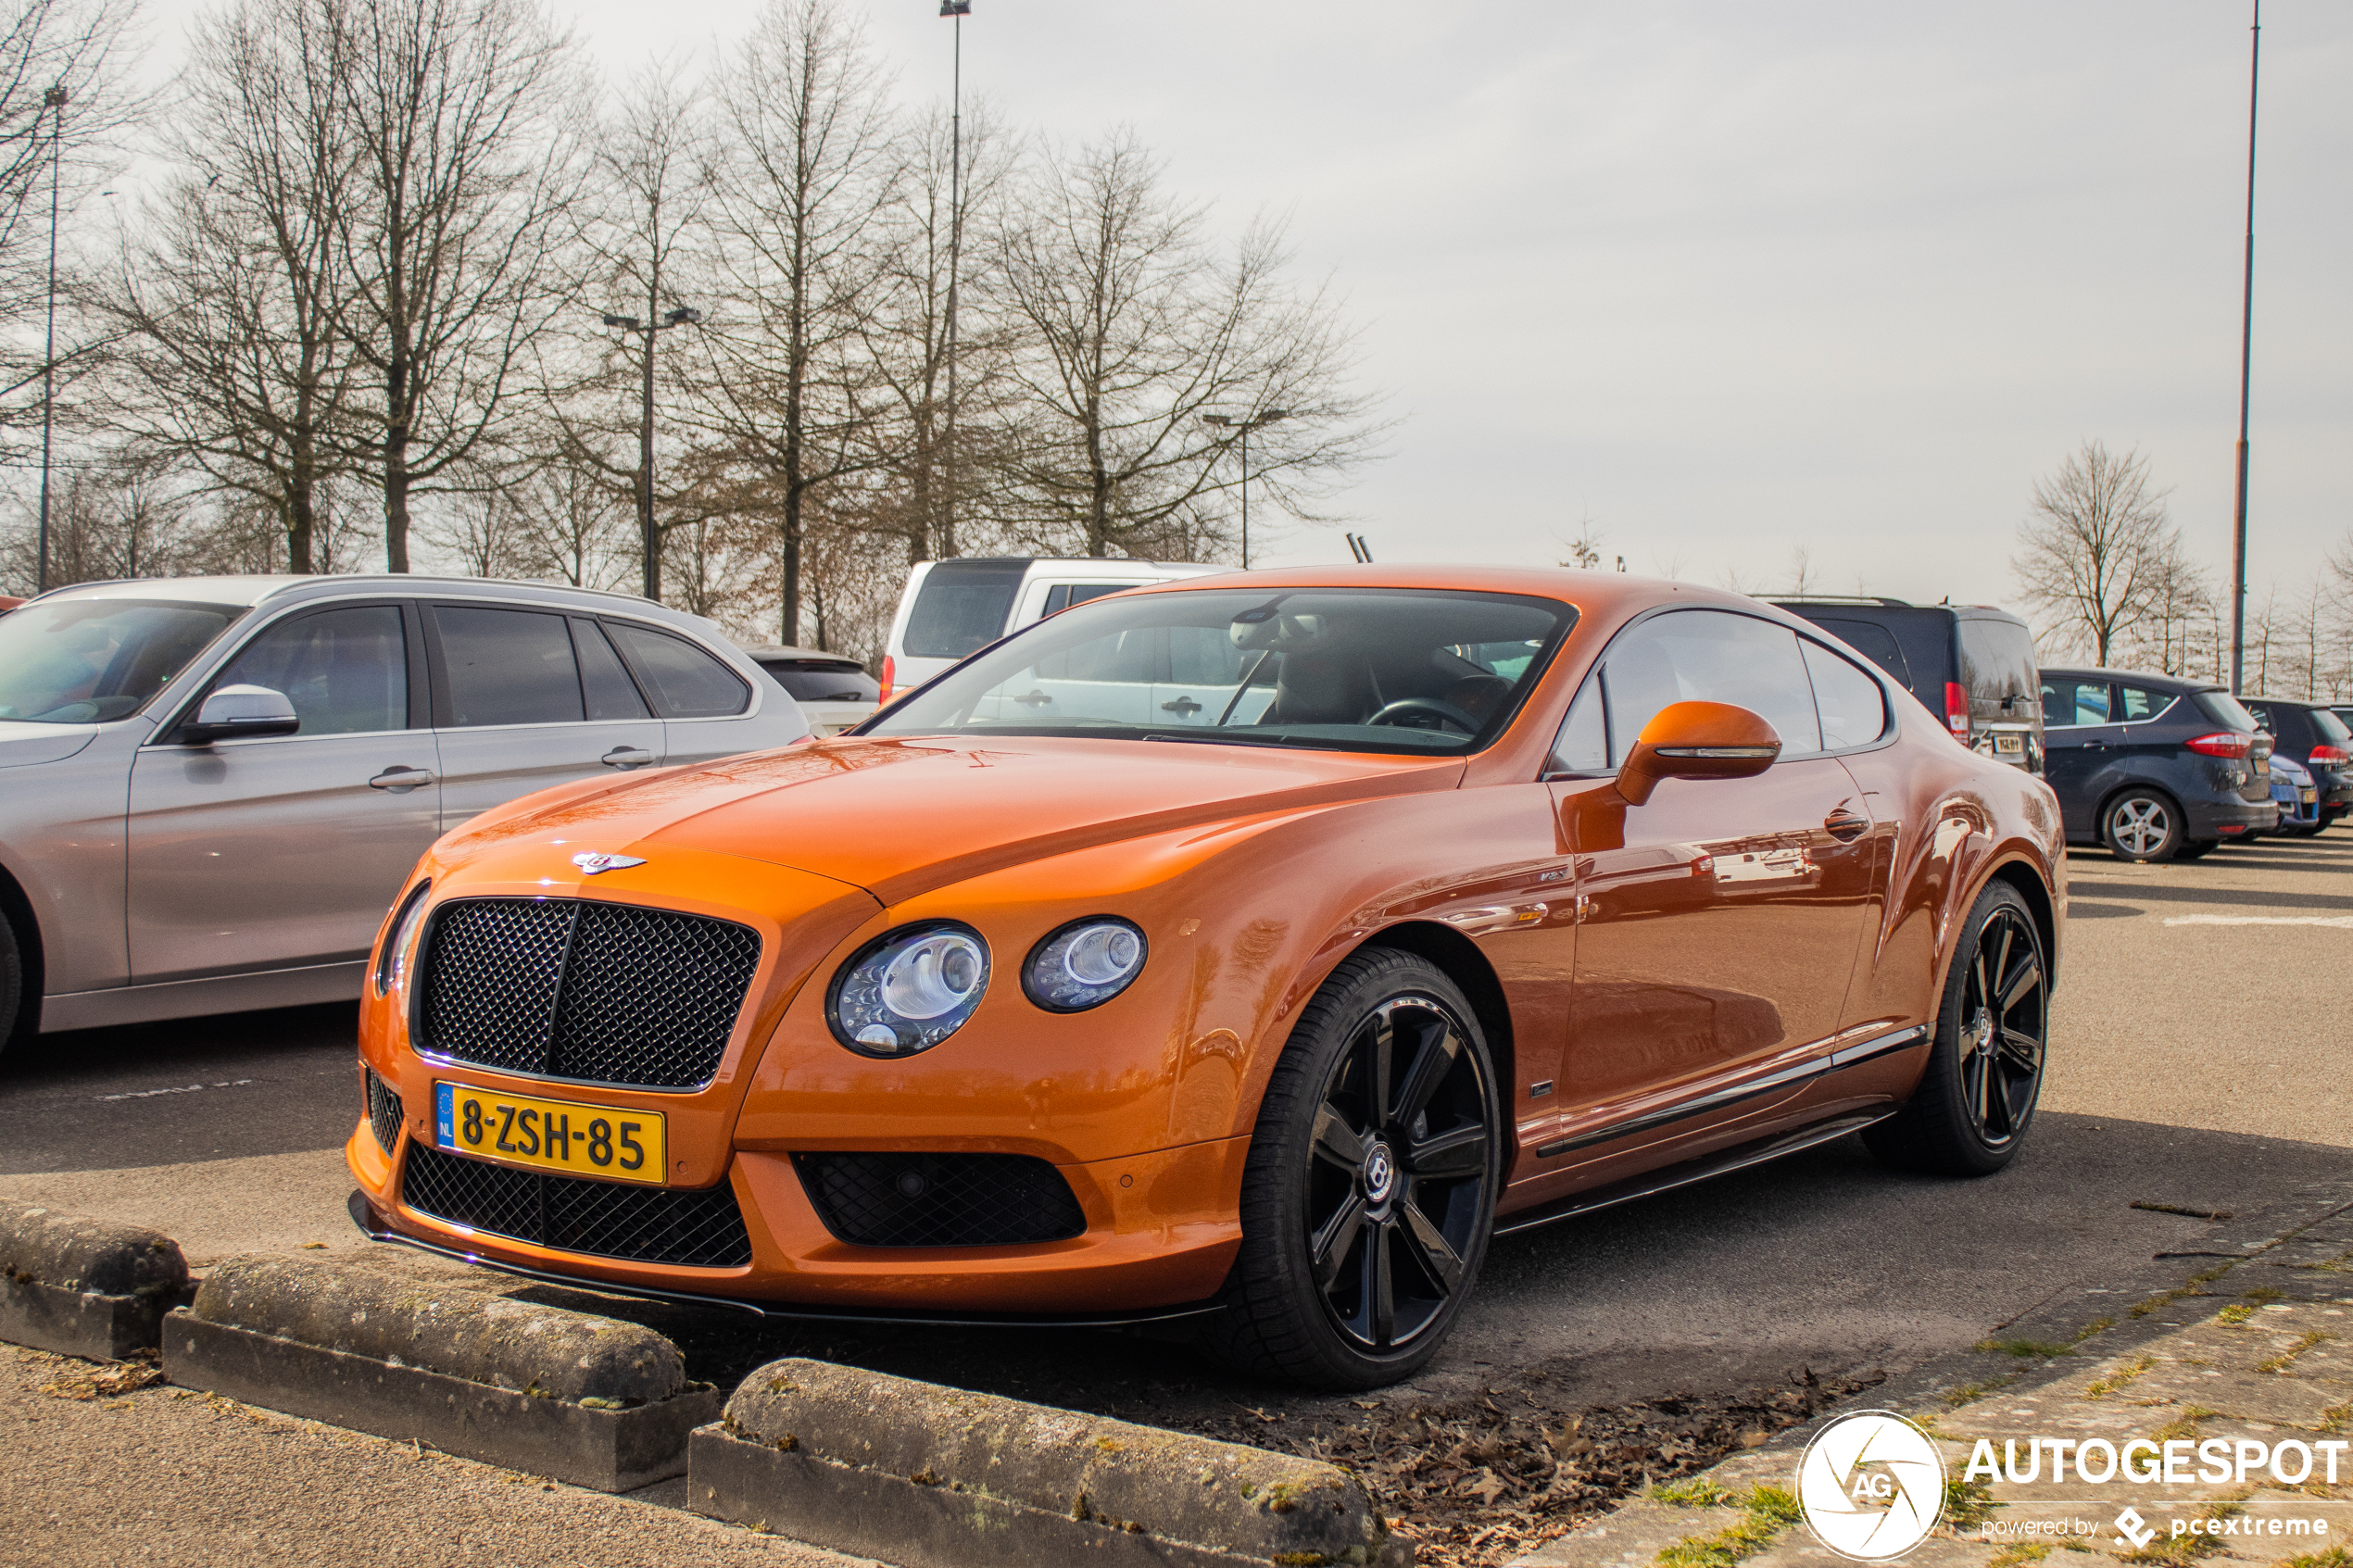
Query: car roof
x=777, y=650
x=2286, y=701
x=262, y=589
x=2176, y=684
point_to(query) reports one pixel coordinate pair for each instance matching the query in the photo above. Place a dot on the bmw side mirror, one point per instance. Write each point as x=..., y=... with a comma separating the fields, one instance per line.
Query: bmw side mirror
x=1697, y=740
x=238, y=712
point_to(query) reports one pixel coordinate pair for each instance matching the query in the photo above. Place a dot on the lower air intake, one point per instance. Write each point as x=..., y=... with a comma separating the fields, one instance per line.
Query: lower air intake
x=940, y=1200
x=700, y=1228
x=384, y=1112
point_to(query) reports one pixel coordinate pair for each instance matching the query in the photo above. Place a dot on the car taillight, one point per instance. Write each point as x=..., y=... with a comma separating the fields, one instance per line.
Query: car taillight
x=2223, y=743
x=2331, y=757
x=885, y=697
x=1957, y=708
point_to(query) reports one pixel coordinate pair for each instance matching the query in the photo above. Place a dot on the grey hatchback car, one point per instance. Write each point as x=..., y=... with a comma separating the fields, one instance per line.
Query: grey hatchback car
x=212, y=787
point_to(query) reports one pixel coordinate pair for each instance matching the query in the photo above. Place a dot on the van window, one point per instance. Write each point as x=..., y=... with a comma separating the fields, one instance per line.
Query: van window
x=963, y=606
x=1874, y=642
x=2069, y=703
x=1062, y=595
x=1997, y=661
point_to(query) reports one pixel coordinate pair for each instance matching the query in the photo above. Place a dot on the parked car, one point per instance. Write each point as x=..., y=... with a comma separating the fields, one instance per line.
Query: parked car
x=2298, y=800
x=951, y=607
x=217, y=785
x=834, y=691
x=2317, y=738
x=2154, y=767
x=1974, y=664
x=1478, y=898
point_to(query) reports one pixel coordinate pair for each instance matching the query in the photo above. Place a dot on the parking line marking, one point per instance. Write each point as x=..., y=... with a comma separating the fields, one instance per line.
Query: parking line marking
x=2341, y=922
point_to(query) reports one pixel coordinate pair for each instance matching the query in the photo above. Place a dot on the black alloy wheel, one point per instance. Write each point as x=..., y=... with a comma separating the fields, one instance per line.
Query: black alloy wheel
x=2142, y=825
x=1370, y=1191
x=1977, y=1098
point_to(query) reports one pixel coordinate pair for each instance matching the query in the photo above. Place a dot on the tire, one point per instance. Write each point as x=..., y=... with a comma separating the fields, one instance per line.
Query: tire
x=1370, y=1194
x=1976, y=1100
x=2197, y=849
x=2142, y=825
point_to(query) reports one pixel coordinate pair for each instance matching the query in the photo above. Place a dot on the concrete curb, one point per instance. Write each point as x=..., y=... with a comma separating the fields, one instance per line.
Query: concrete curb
x=85, y=1288
x=932, y=1477
x=591, y=1400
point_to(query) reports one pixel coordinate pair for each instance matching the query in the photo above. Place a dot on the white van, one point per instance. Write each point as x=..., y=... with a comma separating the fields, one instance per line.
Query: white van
x=955, y=608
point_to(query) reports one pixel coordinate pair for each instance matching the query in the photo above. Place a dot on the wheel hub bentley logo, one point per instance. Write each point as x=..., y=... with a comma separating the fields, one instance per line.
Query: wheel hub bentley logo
x=1380, y=1174
x=1871, y=1486
x=592, y=862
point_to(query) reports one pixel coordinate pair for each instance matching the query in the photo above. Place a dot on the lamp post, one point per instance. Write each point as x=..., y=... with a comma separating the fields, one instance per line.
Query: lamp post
x=2247, y=365
x=1242, y=427
x=649, y=537
x=54, y=100
x=958, y=10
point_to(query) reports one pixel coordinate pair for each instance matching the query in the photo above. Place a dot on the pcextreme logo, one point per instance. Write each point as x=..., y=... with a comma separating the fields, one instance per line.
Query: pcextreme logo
x=1871, y=1486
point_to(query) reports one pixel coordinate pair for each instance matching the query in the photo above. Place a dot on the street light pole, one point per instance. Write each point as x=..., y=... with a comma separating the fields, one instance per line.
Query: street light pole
x=648, y=536
x=54, y=101
x=1242, y=427
x=2246, y=366
x=959, y=10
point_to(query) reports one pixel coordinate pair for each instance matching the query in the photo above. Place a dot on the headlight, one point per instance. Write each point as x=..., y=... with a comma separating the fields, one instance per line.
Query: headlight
x=392, y=964
x=1084, y=964
x=908, y=991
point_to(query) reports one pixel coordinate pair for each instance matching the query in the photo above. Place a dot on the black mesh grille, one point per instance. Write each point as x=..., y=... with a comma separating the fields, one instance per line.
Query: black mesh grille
x=570, y=988
x=940, y=1200
x=701, y=1229
x=384, y=1112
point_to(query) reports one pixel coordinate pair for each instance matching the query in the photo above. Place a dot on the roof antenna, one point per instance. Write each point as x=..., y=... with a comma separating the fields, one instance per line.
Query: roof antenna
x=1360, y=548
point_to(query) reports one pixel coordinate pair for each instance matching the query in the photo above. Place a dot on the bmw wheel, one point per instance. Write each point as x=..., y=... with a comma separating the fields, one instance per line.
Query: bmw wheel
x=2142, y=825
x=1976, y=1100
x=1370, y=1190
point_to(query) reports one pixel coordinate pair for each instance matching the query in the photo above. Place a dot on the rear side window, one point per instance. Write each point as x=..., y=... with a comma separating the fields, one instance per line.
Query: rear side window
x=1852, y=710
x=507, y=667
x=2134, y=704
x=2224, y=709
x=1998, y=662
x=2066, y=703
x=1875, y=643
x=611, y=693
x=2332, y=728
x=1708, y=656
x=345, y=670
x=687, y=682
x=962, y=606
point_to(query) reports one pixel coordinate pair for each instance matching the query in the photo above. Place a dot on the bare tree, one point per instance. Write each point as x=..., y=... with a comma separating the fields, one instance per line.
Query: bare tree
x=805, y=174
x=1133, y=330
x=1804, y=580
x=2092, y=552
x=464, y=114
x=2180, y=601
x=229, y=312
x=1585, y=550
x=115, y=517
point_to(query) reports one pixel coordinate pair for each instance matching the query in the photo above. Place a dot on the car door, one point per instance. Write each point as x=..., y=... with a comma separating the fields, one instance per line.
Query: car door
x=526, y=698
x=1718, y=922
x=2078, y=737
x=285, y=851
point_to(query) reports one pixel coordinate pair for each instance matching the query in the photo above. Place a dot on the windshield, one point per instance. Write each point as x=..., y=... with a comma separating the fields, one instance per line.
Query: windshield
x=1391, y=670
x=84, y=662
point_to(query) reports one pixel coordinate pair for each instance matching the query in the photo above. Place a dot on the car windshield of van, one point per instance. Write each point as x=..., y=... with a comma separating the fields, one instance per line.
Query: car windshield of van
x=1423, y=671
x=88, y=661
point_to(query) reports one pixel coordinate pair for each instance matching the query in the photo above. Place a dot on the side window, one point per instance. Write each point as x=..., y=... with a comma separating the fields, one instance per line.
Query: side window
x=1583, y=747
x=2069, y=702
x=507, y=667
x=1853, y=709
x=1203, y=656
x=2136, y=703
x=1708, y=656
x=688, y=683
x=1130, y=655
x=345, y=670
x=604, y=683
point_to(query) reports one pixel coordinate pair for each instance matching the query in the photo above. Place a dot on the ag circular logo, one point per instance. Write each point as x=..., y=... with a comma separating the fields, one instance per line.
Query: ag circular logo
x=1871, y=1486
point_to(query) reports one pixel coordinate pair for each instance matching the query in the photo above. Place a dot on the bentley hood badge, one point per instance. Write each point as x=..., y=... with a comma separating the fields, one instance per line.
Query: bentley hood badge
x=592, y=862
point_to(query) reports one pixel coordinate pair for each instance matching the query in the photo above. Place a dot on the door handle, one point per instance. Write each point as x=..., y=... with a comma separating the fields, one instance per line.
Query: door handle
x=1846, y=826
x=1034, y=699
x=1183, y=705
x=401, y=780
x=627, y=757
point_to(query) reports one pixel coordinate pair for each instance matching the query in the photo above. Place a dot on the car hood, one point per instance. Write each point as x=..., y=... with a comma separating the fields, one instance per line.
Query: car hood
x=900, y=817
x=23, y=743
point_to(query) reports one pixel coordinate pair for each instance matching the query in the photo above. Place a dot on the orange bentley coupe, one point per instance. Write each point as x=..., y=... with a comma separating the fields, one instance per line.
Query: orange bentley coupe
x=1246, y=948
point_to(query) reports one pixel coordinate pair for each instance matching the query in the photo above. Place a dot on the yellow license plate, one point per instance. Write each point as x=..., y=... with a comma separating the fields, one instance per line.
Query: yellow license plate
x=550, y=1135
x=2009, y=742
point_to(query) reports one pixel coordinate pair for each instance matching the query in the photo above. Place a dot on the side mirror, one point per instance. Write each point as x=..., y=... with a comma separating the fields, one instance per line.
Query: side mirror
x=1697, y=740
x=234, y=712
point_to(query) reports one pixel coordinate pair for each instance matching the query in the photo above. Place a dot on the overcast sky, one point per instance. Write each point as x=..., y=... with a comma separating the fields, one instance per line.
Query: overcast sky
x=1730, y=278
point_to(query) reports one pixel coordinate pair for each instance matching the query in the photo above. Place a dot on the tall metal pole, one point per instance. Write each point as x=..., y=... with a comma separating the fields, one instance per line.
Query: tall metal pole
x=54, y=99
x=1246, y=497
x=958, y=10
x=646, y=531
x=2247, y=365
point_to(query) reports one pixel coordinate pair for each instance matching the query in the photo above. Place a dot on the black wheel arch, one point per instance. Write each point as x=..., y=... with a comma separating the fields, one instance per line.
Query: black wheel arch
x=18, y=910
x=1458, y=958
x=2039, y=904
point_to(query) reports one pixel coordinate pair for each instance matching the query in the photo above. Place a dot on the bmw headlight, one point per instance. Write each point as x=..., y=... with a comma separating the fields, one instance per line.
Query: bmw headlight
x=907, y=991
x=392, y=964
x=1084, y=964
